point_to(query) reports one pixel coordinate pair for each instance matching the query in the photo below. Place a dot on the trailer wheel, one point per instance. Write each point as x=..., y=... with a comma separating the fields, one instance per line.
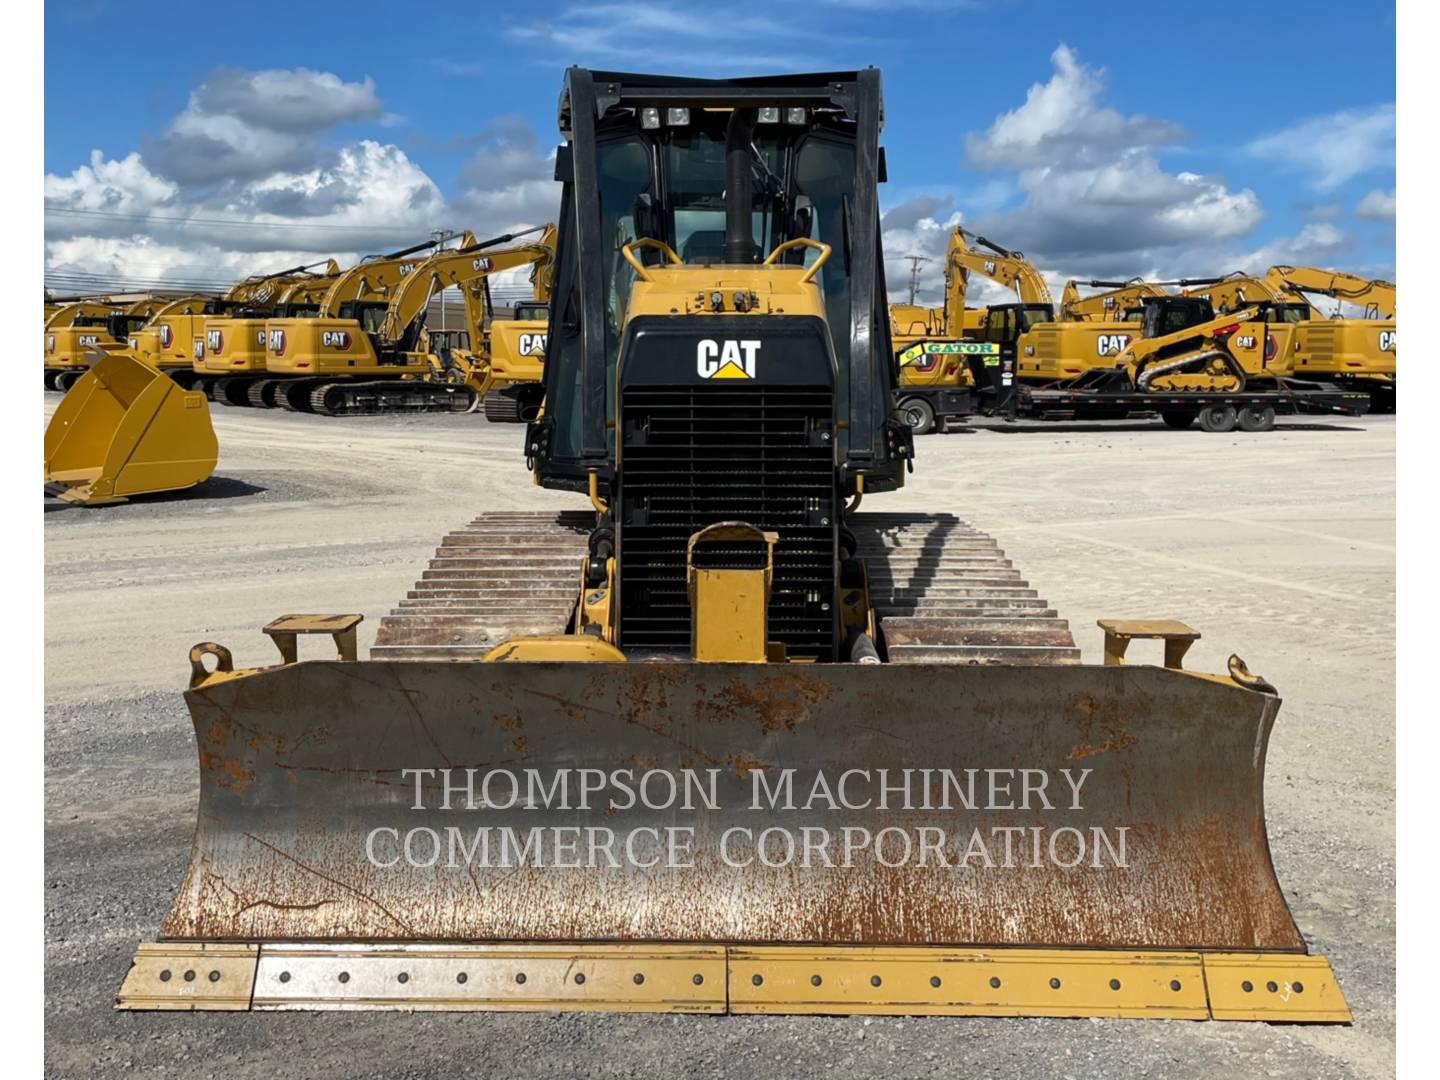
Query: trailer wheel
x=1257, y=418
x=1218, y=418
x=918, y=414
x=1177, y=418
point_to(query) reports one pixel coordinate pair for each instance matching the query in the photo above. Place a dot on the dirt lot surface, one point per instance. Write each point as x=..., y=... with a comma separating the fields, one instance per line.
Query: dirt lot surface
x=1277, y=546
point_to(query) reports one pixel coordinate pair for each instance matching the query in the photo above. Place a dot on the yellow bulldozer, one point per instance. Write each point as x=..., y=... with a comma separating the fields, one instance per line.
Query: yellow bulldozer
x=718, y=740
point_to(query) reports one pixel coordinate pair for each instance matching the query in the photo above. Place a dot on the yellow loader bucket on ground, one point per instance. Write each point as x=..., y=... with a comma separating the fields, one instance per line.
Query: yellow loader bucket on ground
x=828, y=838
x=126, y=428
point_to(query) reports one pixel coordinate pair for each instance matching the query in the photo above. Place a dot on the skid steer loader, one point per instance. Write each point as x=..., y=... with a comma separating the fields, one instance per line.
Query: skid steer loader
x=127, y=428
x=722, y=742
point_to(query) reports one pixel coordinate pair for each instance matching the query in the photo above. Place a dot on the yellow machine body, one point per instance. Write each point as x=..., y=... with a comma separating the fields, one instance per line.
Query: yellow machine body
x=230, y=345
x=125, y=429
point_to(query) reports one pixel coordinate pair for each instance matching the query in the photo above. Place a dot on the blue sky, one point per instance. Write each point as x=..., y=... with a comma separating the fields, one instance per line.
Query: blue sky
x=1159, y=140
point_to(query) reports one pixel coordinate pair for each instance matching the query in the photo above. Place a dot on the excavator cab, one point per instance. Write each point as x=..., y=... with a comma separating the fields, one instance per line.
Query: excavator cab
x=828, y=720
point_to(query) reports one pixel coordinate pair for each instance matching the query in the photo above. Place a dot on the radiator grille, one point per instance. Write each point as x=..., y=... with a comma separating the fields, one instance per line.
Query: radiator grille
x=694, y=456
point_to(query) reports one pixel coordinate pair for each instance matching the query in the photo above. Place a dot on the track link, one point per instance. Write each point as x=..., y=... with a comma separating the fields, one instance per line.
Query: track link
x=503, y=575
x=378, y=396
x=942, y=591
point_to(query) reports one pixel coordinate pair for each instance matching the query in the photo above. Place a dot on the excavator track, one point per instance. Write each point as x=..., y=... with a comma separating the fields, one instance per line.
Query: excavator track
x=377, y=396
x=942, y=591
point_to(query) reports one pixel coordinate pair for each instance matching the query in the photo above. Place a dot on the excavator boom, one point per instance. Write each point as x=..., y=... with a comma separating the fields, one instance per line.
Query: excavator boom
x=1377, y=297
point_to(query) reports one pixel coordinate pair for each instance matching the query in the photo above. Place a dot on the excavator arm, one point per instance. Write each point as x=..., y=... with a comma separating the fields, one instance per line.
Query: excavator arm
x=1376, y=296
x=1104, y=306
x=467, y=266
x=262, y=287
x=375, y=279
x=1001, y=265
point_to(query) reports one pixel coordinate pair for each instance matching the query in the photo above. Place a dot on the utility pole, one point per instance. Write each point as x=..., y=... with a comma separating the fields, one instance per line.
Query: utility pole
x=916, y=261
x=441, y=236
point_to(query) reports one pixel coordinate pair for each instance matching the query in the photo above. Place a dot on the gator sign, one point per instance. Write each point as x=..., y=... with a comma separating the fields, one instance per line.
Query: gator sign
x=921, y=349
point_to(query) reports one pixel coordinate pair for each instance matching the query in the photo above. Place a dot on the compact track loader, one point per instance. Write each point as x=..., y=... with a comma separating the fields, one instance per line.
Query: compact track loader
x=718, y=740
x=127, y=428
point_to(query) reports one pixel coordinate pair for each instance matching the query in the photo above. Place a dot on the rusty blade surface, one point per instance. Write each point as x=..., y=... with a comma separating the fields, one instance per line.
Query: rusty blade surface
x=300, y=764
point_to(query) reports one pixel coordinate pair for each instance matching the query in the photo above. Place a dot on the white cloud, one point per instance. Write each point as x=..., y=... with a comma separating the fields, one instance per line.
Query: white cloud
x=1335, y=147
x=1094, y=199
x=732, y=40
x=1377, y=205
x=117, y=186
x=289, y=202
x=1062, y=120
x=243, y=124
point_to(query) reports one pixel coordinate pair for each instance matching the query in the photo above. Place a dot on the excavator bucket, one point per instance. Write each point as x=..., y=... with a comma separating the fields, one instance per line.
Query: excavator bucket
x=835, y=838
x=126, y=428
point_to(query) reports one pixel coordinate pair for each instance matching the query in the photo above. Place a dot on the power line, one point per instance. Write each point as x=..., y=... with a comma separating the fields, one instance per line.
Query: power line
x=237, y=222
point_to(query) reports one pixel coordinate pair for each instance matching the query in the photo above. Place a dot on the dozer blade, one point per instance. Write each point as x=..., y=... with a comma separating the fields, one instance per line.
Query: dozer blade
x=126, y=428
x=1065, y=840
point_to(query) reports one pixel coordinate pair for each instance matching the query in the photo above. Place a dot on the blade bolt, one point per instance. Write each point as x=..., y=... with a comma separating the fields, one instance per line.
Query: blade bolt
x=756, y=980
x=520, y=977
x=403, y=977
x=214, y=976
x=1174, y=984
x=698, y=979
x=1247, y=986
x=994, y=983
x=874, y=980
x=284, y=976
x=580, y=980
x=1272, y=987
x=165, y=975
x=639, y=978
x=1054, y=984
x=190, y=976
x=1299, y=988
x=814, y=980
x=935, y=980
x=462, y=978
x=344, y=976
x=1114, y=984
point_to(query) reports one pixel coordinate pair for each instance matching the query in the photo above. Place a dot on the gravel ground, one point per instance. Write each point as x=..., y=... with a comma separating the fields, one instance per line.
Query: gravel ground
x=1278, y=546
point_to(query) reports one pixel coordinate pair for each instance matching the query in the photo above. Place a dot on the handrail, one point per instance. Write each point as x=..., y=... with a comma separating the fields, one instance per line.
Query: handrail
x=802, y=241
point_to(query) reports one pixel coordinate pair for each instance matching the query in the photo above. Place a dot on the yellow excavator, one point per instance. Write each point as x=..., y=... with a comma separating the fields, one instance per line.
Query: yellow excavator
x=461, y=388
x=1121, y=302
x=310, y=348
x=166, y=339
x=502, y=359
x=231, y=343
x=718, y=740
x=74, y=333
x=1355, y=354
x=1358, y=353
